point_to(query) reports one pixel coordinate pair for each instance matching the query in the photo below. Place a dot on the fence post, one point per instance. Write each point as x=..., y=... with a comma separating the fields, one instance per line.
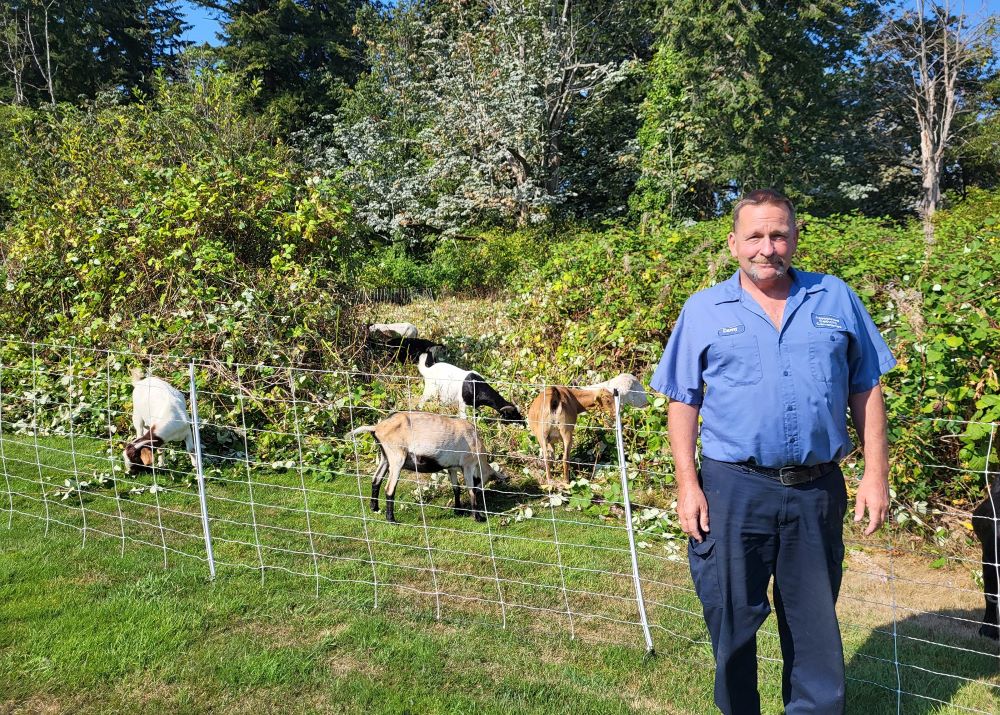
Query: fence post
x=3, y=456
x=626, y=500
x=196, y=431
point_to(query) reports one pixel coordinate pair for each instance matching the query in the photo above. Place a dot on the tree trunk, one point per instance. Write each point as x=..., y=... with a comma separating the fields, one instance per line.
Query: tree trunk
x=930, y=195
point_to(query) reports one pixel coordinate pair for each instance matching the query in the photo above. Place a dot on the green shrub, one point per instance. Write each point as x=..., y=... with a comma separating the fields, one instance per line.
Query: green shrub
x=174, y=223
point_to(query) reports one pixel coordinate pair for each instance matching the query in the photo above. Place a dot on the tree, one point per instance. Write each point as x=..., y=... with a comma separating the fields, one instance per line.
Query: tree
x=303, y=52
x=484, y=111
x=749, y=94
x=62, y=51
x=939, y=59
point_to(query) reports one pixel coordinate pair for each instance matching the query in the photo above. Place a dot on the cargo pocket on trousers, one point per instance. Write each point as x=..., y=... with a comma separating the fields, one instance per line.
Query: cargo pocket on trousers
x=704, y=571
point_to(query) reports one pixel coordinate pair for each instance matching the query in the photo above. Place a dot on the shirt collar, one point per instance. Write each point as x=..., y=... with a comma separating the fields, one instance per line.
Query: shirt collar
x=732, y=290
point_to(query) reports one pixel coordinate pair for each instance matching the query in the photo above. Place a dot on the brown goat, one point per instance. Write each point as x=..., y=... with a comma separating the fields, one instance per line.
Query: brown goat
x=552, y=416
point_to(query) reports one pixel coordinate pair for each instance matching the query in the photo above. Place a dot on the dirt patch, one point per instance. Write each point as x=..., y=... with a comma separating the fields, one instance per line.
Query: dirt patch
x=90, y=579
x=885, y=586
x=40, y=704
x=341, y=663
x=293, y=631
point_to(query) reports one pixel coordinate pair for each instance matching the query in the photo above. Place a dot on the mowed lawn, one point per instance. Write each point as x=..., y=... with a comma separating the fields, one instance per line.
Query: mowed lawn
x=536, y=615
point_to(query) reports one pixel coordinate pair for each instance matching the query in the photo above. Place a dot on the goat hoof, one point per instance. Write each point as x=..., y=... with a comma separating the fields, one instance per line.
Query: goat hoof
x=374, y=506
x=391, y=519
x=988, y=630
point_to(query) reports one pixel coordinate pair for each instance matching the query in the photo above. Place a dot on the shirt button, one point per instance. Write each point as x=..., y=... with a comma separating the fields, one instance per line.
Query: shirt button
x=790, y=408
x=785, y=373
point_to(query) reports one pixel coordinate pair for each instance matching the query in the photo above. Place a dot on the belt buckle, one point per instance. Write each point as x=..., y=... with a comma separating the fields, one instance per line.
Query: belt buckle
x=789, y=480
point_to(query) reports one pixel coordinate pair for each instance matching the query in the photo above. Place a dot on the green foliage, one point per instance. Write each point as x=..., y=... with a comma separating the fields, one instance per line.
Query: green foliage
x=95, y=46
x=487, y=113
x=302, y=53
x=190, y=229
x=743, y=96
x=472, y=264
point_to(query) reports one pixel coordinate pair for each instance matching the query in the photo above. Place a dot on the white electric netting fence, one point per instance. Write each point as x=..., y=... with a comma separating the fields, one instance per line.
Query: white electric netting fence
x=278, y=486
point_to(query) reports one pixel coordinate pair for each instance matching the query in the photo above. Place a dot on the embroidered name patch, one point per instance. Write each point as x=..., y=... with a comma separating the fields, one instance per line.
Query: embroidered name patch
x=827, y=321
x=732, y=330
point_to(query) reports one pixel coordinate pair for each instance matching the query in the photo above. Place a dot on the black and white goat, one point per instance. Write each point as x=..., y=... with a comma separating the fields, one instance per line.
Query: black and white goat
x=405, y=350
x=426, y=443
x=403, y=330
x=454, y=387
x=159, y=415
x=986, y=524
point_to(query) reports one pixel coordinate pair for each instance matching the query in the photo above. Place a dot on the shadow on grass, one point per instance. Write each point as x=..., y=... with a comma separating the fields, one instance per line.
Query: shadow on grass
x=943, y=666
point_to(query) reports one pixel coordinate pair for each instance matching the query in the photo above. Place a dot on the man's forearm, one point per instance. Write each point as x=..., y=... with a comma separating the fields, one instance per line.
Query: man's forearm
x=868, y=415
x=682, y=427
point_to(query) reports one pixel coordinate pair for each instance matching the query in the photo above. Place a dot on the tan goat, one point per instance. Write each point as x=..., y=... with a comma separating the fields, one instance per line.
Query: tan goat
x=552, y=416
x=426, y=443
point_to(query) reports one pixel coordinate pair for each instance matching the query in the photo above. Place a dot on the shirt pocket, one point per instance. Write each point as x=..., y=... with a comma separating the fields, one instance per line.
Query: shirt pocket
x=739, y=360
x=828, y=356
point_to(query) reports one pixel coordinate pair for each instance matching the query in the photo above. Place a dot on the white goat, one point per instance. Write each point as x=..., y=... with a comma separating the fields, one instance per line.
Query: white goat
x=404, y=330
x=159, y=415
x=454, y=387
x=426, y=443
x=628, y=387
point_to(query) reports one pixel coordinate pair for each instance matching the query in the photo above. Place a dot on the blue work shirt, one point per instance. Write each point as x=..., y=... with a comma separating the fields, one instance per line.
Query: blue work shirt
x=777, y=397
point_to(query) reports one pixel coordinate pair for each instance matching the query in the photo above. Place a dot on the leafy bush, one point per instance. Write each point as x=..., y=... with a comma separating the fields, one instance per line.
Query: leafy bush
x=176, y=222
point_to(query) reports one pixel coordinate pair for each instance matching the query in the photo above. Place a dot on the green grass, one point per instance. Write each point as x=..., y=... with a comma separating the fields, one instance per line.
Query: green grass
x=92, y=629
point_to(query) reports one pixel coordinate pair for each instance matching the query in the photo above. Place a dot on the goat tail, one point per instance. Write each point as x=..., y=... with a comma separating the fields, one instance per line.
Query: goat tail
x=361, y=430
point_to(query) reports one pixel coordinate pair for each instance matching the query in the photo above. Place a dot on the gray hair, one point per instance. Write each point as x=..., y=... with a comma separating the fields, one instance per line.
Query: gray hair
x=759, y=197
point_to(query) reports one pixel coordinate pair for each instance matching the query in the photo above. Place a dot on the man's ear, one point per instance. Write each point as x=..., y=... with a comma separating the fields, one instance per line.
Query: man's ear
x=732, y=244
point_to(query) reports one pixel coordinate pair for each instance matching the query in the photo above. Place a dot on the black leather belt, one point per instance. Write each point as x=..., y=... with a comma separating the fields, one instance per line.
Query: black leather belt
x=791, y=475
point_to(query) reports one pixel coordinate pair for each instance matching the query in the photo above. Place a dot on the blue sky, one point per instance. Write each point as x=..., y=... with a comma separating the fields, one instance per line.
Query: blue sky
x=204, y=25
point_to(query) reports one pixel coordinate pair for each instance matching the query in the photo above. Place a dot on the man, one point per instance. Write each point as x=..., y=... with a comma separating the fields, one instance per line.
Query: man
x=771, y=359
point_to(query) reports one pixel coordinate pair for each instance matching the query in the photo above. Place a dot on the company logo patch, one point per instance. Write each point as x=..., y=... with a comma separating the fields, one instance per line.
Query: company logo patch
x=732, y=330
x=827, y=321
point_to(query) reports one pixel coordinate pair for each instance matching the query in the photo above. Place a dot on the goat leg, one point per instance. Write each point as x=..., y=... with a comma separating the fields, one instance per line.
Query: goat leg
x=477, y=498
x=457, y=491
x=377, y=482
x=390, y=496
x=990, y=627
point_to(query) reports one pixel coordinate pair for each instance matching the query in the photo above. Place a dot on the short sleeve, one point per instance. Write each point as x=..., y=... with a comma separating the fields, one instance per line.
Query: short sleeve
x=868, y=355
x=679, y=374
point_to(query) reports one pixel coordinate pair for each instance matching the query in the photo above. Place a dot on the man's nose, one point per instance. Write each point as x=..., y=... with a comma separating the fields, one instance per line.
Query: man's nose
x=766, y=247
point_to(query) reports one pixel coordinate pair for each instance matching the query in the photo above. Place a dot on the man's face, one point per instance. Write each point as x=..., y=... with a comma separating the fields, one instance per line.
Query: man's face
x=764, y=242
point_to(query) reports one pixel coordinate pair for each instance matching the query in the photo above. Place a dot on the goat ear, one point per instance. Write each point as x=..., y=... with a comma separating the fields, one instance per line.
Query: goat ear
x=146, y=456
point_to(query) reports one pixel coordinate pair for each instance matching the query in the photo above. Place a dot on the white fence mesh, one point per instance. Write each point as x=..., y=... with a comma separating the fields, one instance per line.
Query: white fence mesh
x=285, y=490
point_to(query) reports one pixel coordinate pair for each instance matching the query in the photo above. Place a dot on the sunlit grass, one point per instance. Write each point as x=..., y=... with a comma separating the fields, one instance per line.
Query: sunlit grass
x=106, y=627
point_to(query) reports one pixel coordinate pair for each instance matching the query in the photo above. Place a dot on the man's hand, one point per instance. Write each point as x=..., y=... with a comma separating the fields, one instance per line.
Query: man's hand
x=692, y=508
x=873, y=495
